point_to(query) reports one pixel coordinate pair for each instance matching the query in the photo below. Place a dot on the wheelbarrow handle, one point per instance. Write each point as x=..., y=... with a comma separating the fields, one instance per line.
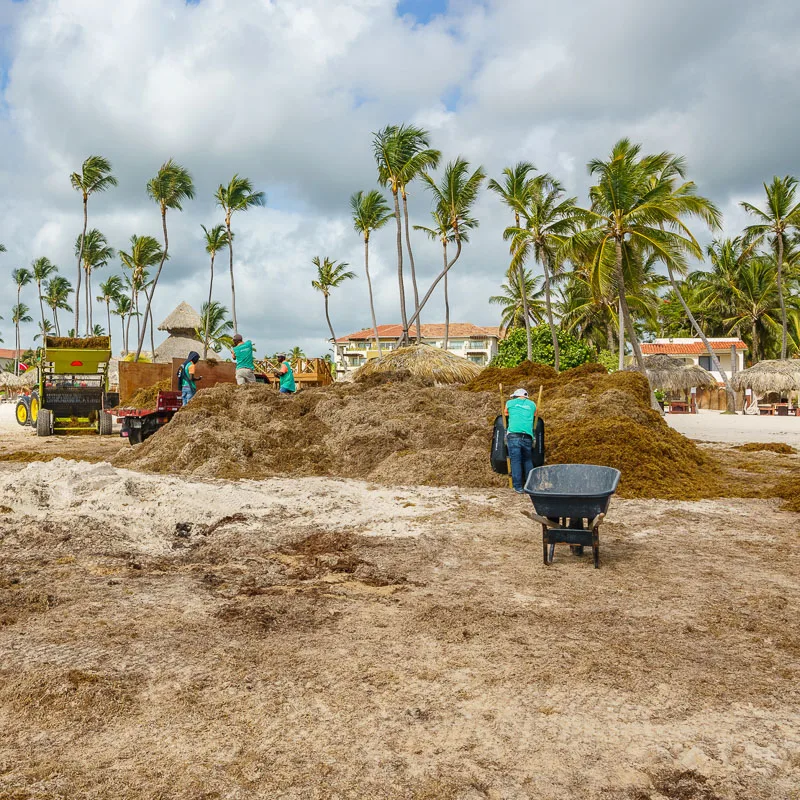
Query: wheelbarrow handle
x=548, y=523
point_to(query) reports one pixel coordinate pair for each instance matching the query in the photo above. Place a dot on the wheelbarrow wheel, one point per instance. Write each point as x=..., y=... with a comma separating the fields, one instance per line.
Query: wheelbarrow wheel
x=44, y=422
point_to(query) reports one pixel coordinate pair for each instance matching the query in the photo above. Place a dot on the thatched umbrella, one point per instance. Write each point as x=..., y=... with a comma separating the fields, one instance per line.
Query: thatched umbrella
x=673, y=375
x=422, y=361
x=772, y=375
x=182, y=326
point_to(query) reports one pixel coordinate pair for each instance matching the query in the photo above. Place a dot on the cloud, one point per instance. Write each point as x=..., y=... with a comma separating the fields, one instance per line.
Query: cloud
x=288, y=95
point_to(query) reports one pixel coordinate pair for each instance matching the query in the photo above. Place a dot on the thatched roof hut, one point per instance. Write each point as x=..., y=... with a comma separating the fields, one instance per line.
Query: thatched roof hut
x=25, y=379
x=182, y=325
x=422, y=361
x=673, y=375
x=772, y=375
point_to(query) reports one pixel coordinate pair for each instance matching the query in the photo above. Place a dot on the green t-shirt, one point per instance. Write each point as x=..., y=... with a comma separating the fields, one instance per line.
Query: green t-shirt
x=244, y=355
x=520, y=415
x=287, y=378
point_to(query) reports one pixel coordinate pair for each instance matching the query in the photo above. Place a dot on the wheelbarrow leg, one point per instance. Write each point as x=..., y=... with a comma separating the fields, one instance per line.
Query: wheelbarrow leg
x=544, y=545
x=596, y=547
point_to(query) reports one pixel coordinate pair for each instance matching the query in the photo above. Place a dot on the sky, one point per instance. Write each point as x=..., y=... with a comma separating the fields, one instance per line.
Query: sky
x=288, y=93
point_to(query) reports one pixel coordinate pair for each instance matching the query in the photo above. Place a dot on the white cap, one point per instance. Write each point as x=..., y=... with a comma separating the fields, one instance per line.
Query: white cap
x=520, y=393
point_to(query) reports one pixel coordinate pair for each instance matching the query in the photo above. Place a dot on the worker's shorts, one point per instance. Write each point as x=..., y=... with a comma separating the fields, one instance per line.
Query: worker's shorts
x=244, y=376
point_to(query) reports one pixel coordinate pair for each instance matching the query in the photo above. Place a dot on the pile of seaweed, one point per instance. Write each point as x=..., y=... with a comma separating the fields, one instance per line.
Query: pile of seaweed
x=146, y=397
x=409, y=432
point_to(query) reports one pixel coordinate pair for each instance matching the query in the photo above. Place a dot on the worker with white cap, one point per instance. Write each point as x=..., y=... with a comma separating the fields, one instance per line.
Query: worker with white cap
x=520, y=411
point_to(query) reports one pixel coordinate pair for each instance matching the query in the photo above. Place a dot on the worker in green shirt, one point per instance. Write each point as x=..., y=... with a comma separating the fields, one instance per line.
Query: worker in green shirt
x=285, y=375
x=242, y=354
x=520, y=411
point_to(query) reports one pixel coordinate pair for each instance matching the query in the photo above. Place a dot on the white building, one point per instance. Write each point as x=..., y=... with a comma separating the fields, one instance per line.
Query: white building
x=693, y=351
x=476, y=343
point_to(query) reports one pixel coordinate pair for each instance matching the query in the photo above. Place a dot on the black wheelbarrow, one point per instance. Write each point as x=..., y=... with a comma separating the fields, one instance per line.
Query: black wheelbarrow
x=571, y=500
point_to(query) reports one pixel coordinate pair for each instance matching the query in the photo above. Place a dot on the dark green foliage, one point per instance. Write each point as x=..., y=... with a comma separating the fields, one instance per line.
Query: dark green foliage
x=513, y=349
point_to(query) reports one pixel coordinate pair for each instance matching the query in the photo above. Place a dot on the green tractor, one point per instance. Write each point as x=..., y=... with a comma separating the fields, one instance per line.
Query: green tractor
x=73, y=386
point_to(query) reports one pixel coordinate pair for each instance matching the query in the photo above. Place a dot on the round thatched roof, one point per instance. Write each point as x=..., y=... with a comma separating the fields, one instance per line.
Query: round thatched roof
x=177, y=346
x=422, y=361
x=771, y=375
x=673, y=375
x=183, y=318
x=28, y=378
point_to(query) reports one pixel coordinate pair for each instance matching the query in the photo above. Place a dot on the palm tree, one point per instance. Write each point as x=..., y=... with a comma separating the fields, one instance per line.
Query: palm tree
x=145, y=252
x=782, y=214
x=98, y=330
x=19, y=315
x=216, y=325
x=238, y=195
x=295, y=354
x=45, y=329
x=549, y=220
x=171, y=186
x=96, y=254
x=454, y=197
x=110, y=290
x=633, y=216
x=21, y=277
x=370, y=213
x=443, y=232
x=42, y=269
x=95, y=176
x=514, y=193
x=330, y=274
x=122, y=309
x=216, y=239
x=515, y=304
x=56, y=296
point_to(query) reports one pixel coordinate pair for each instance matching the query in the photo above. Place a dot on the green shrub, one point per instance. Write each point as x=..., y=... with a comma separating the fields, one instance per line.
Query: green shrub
x=513, y=350
x=609, y=360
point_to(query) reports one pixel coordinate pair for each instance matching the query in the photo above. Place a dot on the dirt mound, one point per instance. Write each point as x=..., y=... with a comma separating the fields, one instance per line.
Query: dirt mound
x=146, y=397
x=410, y=433
x=772, y=447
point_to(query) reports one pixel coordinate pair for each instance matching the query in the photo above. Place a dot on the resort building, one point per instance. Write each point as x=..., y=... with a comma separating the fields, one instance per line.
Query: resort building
x=7, y=358
x=476, y=343
x=729, y=352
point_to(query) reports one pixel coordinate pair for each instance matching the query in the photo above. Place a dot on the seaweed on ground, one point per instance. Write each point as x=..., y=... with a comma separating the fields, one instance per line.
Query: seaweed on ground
x=773, y=447
x=513, y=377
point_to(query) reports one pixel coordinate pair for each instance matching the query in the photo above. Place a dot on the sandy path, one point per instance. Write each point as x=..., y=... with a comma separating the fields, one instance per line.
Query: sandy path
x=712, y=426
x=320, y=638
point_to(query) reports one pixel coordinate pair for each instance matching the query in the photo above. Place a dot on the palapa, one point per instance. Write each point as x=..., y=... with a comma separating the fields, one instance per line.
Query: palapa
x=182, y=325
x=673, y=375
x=421, y=361
x=183, y=318
x=771, y=375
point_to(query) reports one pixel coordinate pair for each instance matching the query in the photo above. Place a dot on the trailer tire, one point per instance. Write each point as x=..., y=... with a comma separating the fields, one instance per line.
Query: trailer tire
x=105, y=423
x=44, y=422
x=135, y=436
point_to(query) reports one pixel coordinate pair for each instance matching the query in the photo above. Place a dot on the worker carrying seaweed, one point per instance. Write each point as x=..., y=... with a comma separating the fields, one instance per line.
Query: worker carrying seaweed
x=242, y=354
x=187, y=378
x=285, y=375
x=520, y=411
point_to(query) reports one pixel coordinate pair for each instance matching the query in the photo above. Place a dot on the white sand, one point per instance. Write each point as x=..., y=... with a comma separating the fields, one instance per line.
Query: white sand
x=712, y=426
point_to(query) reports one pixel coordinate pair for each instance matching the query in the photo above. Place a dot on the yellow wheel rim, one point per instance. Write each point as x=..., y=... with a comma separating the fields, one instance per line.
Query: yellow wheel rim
x=34, y=409
x=22, y=414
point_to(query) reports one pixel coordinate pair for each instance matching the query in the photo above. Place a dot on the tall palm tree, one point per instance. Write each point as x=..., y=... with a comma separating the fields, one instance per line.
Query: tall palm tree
x=110, y=290
x=633, y=217
x=216, y=239
x=550, y=219
x=454, y=196
x=19, y=315
x=330, y=274
x=171, y=186
x=96, y=254
x=122, y=308
x=515, y=304
x=46, y=328
x=782, y=214
x=21, y=277
x=57, y=292
x=238, y=195
x=443, y=232
x=216, y=326
x=514, y=193
x=95, y=176
x=145, y=252
x=370, y=213
x=42, y=268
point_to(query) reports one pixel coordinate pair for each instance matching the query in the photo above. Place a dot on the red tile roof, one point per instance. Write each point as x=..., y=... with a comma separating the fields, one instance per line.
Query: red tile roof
x=434, y=331
x=5, y=353
x=690, y=348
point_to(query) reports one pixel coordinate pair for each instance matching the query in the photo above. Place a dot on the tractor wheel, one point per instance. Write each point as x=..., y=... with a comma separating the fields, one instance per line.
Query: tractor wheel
x=105, y=423
x=34, y=412
x=135, y=436
x=21, y=412
x=44, y=422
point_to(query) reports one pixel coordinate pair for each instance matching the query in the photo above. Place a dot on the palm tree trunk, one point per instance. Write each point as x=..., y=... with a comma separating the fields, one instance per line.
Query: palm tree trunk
x=403, y=316
x=784, y=323
x=330, y=327
x=626, y=316
x=41, y=302
x=549, y=307
x=108, y=315
x=233, y=285
x=369, y=288
x=754, y=334
x=411, y=262
x=441, y=275
x=208, y=307
x=446, y=300
x=610, y=335
x=524, y=295
x=730, y=395
x=86, y=302
x=55, y=321
x=152, y=341
x=80, y=265
x=621, y=332
x=155, y=282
